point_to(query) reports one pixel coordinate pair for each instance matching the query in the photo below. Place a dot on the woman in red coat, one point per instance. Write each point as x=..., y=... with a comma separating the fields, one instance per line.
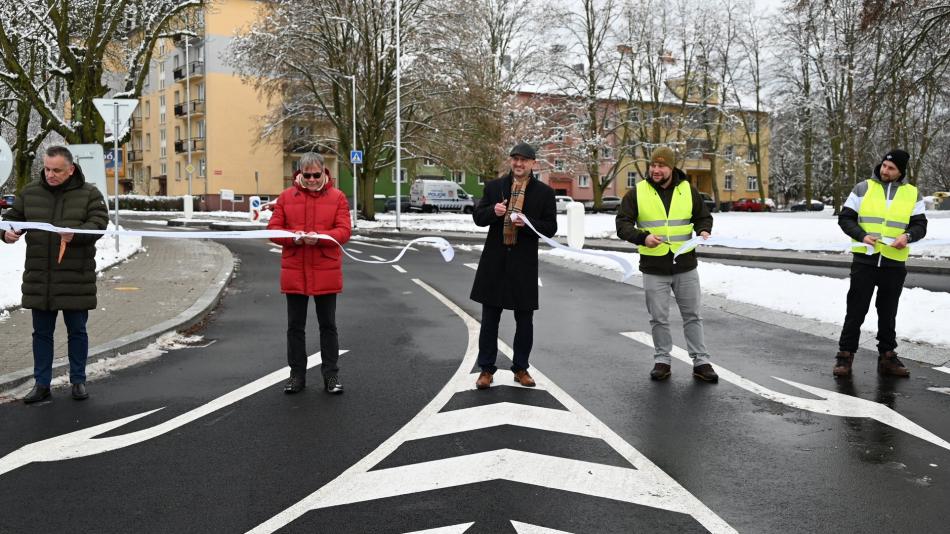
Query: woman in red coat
x=311, y=267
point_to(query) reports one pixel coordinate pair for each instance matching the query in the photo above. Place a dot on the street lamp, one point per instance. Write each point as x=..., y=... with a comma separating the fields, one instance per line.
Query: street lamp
x=188, y=204
x=398, y=118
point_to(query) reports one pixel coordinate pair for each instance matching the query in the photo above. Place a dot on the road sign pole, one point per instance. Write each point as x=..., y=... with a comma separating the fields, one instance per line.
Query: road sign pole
x=353, y=95
x=115, y=168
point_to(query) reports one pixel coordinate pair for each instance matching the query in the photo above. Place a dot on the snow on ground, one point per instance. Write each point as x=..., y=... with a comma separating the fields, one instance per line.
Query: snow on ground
x=12, y=256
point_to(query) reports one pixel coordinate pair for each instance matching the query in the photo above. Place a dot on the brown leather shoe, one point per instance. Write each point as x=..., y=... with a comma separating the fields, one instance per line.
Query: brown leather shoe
x=522, y=377
x=705, y=373
x=888, y=364
x=843, y=361
x=661, y=371
x=484, y=380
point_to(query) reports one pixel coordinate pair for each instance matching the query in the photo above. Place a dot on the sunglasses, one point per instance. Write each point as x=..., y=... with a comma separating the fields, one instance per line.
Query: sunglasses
x=311, y=175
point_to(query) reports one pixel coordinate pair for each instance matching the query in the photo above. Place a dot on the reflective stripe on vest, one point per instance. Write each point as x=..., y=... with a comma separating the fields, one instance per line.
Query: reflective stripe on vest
x=675, y=227
x=879, y=219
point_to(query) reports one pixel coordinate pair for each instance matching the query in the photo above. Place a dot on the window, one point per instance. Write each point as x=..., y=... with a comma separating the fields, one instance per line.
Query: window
x=178, y=171
x=177, y=97
x=238, y=198
x=201, y=129
x=727, y=183
x=481, y=180
x=161, y=74
x=176, y=61
x=202, y=167
x=729, y=153
x=559, y=134
x=428, y=162
x=631, y=179
x=458, y=177
x=753, y=154
x=201, y=91
x=403, y=175
x=177, y=133
x=752, y=183
x=606, y=153
x=161, y=47
x=558, y=165
x=161, y=109
x=583, y=180
x=148, y=141
x=148, y=109
x=164, y=169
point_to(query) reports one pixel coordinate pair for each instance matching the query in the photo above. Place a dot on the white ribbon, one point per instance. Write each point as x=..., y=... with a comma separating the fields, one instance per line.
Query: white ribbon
x=625, y=265
x=448, y=253
x=814, y=247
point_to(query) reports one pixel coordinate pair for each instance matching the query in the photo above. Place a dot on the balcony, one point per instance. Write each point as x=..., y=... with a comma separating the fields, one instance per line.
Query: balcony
x=136, y=123
x=135, y=155
x=197, y=144
x=195, y=107
x=196, y=69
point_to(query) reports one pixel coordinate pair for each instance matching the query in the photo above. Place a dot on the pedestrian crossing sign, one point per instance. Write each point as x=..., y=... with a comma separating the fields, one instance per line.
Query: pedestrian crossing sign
x=356, y=157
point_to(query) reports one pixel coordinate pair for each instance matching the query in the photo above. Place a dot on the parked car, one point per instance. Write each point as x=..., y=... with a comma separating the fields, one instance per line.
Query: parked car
x=708, y=201
x=561, y=202
x=607, y=203
x=391, y=204
x=6, y=201
x=816, y=205
x=750, y=204
x=439, y=195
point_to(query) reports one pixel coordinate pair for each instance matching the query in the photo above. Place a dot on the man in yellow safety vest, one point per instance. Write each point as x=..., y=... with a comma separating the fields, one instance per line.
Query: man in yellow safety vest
x=659, y=215
x=883, y=214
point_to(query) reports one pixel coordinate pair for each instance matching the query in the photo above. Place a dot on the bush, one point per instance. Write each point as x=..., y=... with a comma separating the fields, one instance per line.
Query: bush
x=144, y=203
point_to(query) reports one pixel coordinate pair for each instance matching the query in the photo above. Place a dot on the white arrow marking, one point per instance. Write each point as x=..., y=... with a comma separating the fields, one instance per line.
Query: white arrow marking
x=943, y=369
x=525, y=528
x=454, y=529
x=829, y=403
x=502, y=413
x=945, y=391
x=84, y=442
x=646, y=484
x=400, y=269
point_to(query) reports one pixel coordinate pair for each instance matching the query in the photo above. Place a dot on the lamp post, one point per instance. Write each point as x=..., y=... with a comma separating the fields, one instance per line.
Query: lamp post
x=352, y=78
x=188, y=204
x=398, y=117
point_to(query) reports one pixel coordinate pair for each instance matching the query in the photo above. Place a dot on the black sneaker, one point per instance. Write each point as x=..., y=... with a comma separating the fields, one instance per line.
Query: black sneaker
x=705, y=373
x=333, y=385
x=661, y=371
x=295, y=384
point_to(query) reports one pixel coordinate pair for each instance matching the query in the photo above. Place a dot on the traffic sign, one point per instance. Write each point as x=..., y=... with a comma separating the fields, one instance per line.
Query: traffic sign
x=356, y=157
x=190, y=169
x=6, y=160
x=107, y=108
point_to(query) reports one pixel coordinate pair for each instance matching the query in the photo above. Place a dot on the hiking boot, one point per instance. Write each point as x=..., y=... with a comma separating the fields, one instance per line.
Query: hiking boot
x=484, y=380
x=661, y=371
x=522, y=377
x=843, y=361
x=705, y=373
x=888, y=364
x=333, y=385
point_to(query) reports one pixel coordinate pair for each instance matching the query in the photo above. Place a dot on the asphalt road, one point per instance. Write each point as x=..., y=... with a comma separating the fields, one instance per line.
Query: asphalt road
x=410, y=446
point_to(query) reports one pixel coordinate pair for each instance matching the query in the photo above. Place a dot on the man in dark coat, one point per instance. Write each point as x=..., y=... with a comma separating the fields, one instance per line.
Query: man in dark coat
x=507, y=276
x=54, y=282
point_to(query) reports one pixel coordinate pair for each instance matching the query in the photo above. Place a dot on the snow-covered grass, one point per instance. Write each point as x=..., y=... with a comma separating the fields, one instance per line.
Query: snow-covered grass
x=13, y=255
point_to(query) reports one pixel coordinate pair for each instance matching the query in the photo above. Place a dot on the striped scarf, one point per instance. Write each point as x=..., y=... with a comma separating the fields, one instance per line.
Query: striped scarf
x=514, y=206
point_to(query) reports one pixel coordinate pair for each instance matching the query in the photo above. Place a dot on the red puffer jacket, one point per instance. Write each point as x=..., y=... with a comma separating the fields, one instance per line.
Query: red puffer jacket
x=311, y=269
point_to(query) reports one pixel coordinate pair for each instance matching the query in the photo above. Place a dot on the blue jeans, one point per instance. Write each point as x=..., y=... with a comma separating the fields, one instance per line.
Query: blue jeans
x=44, y=324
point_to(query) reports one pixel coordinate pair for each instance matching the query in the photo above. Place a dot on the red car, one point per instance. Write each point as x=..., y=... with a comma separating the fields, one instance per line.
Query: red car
x=6, y=201
x=749, y=204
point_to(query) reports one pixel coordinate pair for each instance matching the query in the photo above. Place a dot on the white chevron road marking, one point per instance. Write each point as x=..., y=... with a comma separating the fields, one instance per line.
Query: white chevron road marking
x=945, y=391
x=525, y=528
x=503, y=413
x=84, y=442
x=645, y=484
x=454, y=529
x=942, y=369
x=829, y=403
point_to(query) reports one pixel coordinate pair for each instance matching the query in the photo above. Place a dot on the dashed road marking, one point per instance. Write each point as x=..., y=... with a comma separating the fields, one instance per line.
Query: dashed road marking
x=400, y=269
x=945, y=391
x=377, y=258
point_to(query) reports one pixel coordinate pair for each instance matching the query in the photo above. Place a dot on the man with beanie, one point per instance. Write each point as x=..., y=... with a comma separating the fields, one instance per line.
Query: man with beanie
x=658, y=215
x=507, y=275
x=60, y=270
x=882, y=215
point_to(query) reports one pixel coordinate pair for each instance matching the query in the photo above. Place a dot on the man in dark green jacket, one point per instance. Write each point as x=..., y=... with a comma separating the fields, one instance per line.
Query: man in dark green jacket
x=60, y=197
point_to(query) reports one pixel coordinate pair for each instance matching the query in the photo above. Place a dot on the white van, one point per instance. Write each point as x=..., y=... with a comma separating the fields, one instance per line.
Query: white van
x=439, y=195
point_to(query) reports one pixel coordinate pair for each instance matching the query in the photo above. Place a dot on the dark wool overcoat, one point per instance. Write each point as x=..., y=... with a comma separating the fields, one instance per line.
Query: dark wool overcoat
x=508, y=276
x=70, y=285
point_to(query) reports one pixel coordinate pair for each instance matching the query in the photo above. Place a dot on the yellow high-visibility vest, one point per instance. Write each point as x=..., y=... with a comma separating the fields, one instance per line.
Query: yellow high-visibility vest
x=675, y=227
x=880, y=220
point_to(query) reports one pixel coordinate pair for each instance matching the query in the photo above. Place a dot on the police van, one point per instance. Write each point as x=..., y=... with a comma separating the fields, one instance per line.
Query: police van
x=429, y=196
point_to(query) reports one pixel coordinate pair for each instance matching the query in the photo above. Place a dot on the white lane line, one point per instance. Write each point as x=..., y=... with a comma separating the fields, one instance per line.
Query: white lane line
x=354, y=251
x=525, y=528
x=474, y=267
x=645, y=484
x=454, y=529
x=503, y=413
x=377, y=258
x=945, y=391
x=275, y=250
x=942, y=369
x=400, y=269
x=84, y=442
x=829, y=403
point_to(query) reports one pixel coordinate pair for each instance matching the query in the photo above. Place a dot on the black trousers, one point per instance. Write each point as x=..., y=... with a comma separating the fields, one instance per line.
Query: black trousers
x=488, y=338
x=297, y=333
x=889, y=282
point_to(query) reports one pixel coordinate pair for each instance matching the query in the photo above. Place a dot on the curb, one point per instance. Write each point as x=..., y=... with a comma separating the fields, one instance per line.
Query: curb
x=143, y=338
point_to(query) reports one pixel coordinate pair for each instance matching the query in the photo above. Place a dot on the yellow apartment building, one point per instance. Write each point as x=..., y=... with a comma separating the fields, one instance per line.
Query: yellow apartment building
x=193, y=101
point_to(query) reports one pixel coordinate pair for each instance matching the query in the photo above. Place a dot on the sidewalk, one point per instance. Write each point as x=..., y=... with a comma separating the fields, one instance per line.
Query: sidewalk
x=172, y=285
